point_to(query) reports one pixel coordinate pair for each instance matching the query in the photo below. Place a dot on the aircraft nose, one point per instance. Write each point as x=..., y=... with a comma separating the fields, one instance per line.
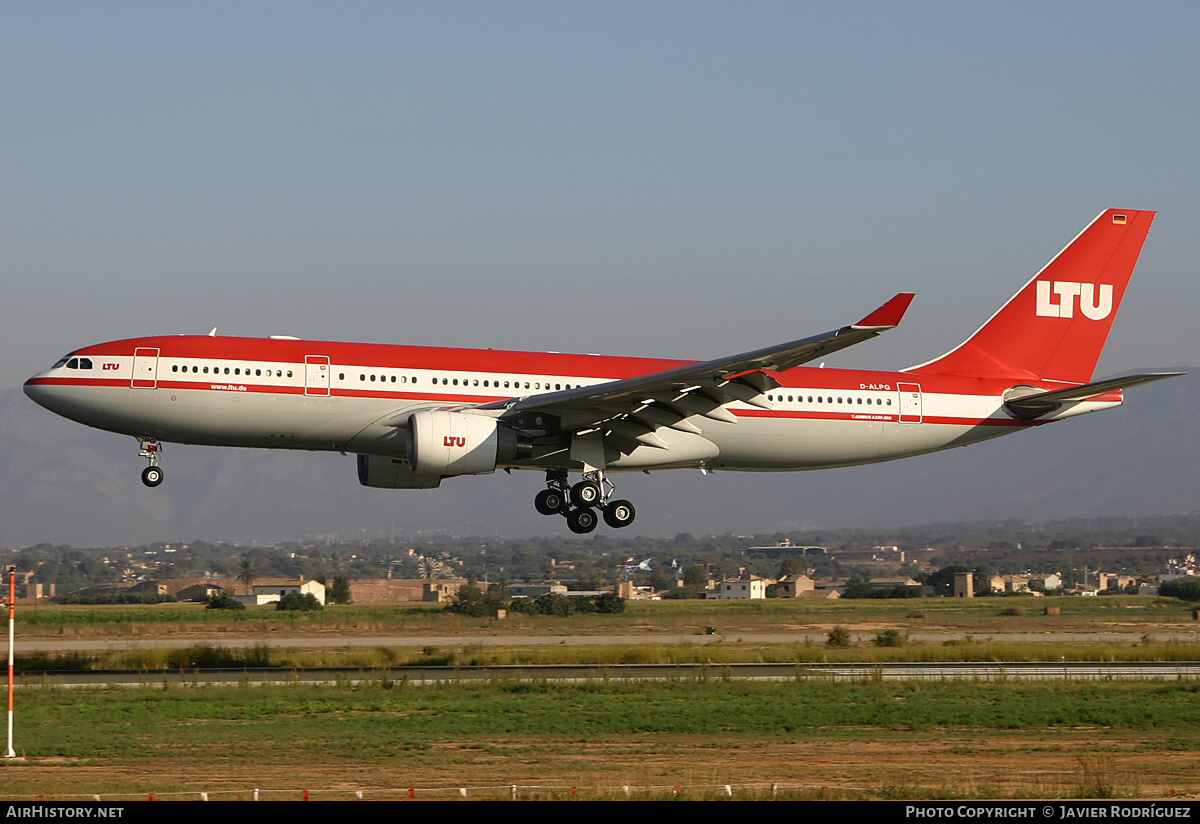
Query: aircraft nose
x=37, y=392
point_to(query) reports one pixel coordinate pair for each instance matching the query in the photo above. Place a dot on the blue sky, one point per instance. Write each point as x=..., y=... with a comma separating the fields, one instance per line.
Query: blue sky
x=670, y=179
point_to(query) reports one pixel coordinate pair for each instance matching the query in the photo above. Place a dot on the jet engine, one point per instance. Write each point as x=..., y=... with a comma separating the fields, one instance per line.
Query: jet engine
x=456, y=443
x=390, y=473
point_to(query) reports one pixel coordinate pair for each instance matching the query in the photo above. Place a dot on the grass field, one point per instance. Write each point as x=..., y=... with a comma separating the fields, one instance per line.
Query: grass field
x=979, y=615
x=815, y=739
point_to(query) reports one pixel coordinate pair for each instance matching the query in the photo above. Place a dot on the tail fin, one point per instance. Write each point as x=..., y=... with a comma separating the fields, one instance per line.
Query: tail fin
x=1055, y=327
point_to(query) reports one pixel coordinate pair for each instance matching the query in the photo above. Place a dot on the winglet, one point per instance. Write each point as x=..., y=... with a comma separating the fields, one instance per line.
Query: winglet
x=888, y=315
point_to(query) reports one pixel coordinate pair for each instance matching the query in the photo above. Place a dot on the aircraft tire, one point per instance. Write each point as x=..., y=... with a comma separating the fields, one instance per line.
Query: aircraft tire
x=619, y=514
x=583, y=520
x=586, y=493
x=550, y=502
x=152, y=476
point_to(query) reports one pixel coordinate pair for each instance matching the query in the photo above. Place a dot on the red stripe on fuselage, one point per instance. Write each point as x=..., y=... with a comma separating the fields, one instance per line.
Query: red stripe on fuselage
x=235, y=387
x=533, y=365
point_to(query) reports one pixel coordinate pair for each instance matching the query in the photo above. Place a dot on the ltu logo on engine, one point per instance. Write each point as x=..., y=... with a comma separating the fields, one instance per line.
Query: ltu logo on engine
x=1095, y=300
x=452, y=440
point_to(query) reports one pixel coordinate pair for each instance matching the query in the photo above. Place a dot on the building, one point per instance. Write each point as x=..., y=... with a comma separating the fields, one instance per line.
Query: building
x=270, y=590
x=753, y=588
x=791, y=586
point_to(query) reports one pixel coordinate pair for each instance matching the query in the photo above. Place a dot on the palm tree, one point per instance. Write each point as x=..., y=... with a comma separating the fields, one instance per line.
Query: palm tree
x=247, y=574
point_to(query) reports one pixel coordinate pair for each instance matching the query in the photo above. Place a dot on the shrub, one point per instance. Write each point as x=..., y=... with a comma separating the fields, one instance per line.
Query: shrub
x=224, y=602
x=839, y=638
x=1186, y=588
x=296, y=601
x=890, y=638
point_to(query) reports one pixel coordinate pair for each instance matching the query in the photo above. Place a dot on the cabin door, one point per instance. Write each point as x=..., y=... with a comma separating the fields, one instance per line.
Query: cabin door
x=145, y=369
x=316, y=374
x=910, y=402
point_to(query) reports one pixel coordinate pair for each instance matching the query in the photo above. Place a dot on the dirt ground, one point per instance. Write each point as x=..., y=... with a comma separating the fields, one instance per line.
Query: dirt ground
x=1020, y=764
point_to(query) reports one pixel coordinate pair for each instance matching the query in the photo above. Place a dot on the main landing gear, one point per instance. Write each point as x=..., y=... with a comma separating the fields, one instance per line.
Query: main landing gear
x=579, y=503
x=150, y=448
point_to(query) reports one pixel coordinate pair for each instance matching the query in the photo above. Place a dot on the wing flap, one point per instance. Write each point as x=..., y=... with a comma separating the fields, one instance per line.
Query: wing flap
x=628, y=411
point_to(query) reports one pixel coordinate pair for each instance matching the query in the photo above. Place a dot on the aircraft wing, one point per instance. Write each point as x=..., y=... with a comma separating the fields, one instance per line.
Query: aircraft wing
x=630, y=410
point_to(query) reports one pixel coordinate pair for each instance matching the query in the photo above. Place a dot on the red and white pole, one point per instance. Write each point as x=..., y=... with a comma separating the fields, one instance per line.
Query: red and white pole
x=12, y=605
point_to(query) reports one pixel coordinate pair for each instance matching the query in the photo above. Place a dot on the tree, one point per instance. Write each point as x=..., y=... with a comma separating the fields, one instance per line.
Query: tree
x=792, y=566
x=696, y=576
x=339, y=592
x=247, y=575
x=469, y=600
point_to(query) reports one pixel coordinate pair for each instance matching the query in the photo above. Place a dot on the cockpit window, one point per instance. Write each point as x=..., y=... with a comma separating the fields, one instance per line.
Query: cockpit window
x=61, y=363
x=73, y=363
x=85, y=363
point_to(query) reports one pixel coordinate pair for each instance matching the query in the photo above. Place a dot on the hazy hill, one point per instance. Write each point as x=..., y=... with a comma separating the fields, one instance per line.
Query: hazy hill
x=64, y=483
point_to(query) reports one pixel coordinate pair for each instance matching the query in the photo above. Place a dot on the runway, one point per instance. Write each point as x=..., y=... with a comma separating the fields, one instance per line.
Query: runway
x=800, y=672
x=816, y=636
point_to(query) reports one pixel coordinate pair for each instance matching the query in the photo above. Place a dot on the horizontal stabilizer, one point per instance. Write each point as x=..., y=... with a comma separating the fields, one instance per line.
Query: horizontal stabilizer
x=1039, y=403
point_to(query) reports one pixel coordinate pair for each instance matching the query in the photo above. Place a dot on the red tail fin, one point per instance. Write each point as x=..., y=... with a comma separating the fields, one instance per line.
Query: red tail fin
x=1055, y=327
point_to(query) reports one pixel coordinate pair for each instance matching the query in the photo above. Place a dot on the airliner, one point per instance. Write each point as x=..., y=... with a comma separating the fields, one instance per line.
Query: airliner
x=415, y=416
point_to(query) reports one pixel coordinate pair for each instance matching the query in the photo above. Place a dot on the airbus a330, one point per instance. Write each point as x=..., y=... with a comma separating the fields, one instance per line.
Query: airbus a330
x=415, y=416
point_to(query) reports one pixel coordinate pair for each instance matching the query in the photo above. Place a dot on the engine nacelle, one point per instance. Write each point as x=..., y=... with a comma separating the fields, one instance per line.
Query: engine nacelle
x=389, y=473
x=456, y=443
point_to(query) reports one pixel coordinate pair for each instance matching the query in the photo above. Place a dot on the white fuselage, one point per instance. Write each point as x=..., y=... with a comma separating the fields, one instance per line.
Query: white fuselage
x=357, y=398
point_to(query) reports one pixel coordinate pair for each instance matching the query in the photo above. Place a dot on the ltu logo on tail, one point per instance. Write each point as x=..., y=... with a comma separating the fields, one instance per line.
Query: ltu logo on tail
x=1095, y=300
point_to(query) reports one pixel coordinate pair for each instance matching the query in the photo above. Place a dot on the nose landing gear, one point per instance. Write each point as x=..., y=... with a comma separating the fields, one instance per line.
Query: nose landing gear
x=578, y=503
x=150, y=448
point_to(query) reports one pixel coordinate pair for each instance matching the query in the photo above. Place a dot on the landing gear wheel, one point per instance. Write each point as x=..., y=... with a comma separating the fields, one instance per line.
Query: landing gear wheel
x=619, y=513
x=586, y=493
x=152, y=476
x=550, y=502
x=582, y=521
